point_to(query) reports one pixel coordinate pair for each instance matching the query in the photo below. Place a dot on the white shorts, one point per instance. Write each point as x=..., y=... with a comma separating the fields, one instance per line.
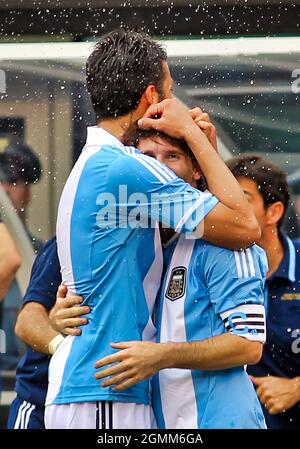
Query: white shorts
x=99, y=415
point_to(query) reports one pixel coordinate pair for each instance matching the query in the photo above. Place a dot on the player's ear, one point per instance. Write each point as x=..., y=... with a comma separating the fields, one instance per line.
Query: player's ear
x=274, y=213
x=7, y=187
x=197, y=173
x=151, y=96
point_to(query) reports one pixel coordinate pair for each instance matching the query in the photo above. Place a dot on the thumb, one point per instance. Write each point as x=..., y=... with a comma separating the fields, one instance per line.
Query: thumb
x=157, y=109
x=149, y=123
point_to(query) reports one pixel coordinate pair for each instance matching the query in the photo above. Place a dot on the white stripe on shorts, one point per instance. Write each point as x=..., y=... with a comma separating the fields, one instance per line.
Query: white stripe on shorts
x=86, y=415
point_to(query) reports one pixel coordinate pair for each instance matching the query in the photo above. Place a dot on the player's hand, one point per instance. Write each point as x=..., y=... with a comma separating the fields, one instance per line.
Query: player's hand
x=137, y=361
x=277, y=394
x=169, y=116
x=203, y=121
x=65, y=316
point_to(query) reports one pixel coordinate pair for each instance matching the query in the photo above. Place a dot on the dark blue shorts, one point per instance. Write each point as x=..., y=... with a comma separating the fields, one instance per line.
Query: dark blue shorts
x=24, y=415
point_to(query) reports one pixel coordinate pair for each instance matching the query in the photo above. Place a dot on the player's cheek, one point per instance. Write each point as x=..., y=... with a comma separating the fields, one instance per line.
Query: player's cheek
x=177, y=169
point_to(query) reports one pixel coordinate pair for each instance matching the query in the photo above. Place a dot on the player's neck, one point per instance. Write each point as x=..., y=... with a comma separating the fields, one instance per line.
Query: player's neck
x=117, y=127
x=274, y=248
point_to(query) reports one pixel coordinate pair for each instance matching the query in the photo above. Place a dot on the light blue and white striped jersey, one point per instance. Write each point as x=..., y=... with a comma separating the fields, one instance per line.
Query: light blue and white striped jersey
x=110, y=256
x=208, y=291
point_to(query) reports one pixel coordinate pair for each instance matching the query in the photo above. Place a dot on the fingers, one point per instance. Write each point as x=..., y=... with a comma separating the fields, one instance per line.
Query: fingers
x=74, y=322
x=272, y=405
x=260, y=392
x=108, y=360
x=69, y=326
x=196, y=112
x=62, y=291
x=208, y=129
x=69, y=301
x=204, y=125
x=72, y=312
x=202, y=120
x=71, y=331
x=205, y=117
x=274, y=408
x=255, y=380
x=117, y=379
x=127, y=384
x=64, y=317
x=264, y=397
x=124, y=344
x=150, y=123
x=156, y=109
x=111, y=371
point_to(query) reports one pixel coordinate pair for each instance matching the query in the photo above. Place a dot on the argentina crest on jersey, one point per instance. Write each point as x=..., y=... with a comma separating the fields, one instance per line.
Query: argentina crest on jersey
x=177, y=284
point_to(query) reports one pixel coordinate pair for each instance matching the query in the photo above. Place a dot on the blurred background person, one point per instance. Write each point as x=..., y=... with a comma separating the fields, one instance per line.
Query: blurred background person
x=20, y=168
x=33, y=327
x=277, y=375
x=10, y=260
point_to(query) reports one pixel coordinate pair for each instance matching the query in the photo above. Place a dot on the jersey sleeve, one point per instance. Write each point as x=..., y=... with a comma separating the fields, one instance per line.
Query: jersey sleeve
x=151, y=190
x=235, y=281
x=45, y=276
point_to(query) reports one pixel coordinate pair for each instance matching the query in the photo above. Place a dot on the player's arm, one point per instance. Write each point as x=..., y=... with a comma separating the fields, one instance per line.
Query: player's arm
x=232, y=222
x=33, y=327
x=37, y=327
x=10, y=260
x=216, y=353
x=139, y=360
x=235, y=283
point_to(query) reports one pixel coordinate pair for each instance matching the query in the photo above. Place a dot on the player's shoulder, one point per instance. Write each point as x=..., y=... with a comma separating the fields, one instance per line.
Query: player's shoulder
x=213, y=250
x=47, y=258
x=131, y=160
x=104, y=151
x=49, y=247
x=247, y=262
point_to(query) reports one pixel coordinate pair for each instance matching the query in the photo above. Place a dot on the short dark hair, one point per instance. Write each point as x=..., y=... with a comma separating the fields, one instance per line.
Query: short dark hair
x=19, y=163
x=270, y=179
x=123, y=63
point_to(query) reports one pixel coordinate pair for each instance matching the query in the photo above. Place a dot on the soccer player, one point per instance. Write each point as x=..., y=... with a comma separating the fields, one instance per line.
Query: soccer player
x=110, y=198
x=33, y=328
x=20, y=168
x=210, y=324
x=277, y=375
